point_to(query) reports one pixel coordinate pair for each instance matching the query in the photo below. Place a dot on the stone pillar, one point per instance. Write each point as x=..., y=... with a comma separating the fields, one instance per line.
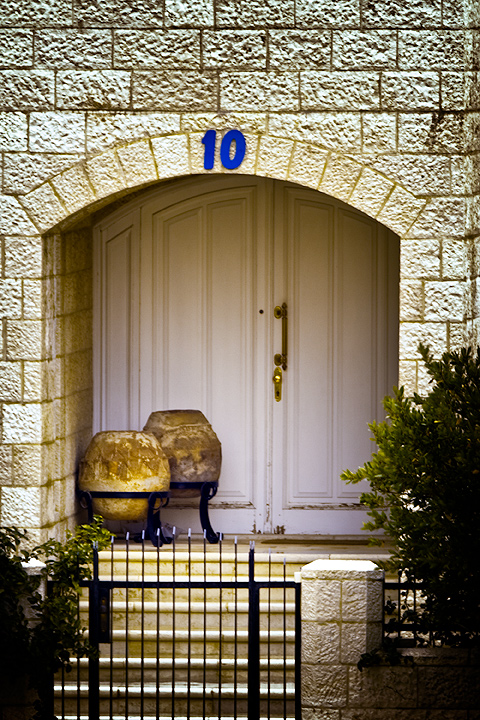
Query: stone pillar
x=341, y=619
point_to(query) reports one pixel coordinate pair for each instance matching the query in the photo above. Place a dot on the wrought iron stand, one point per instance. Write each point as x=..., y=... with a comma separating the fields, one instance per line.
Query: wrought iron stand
x=157, y=500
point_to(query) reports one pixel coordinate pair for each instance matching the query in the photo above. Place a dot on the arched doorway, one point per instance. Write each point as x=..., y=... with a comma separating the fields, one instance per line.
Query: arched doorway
x=186, y=280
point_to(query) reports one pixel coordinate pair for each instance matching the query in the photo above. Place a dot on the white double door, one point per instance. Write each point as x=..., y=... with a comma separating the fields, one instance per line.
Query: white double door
x=186, y=281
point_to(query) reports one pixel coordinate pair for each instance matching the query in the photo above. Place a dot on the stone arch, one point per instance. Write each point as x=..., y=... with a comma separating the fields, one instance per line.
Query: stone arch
x=91, y=184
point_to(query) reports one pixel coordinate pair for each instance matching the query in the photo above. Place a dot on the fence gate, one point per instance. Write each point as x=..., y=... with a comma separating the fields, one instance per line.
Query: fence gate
x=187, y=632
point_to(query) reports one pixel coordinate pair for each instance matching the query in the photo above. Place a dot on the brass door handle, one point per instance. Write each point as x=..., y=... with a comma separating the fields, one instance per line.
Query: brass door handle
x=281, y=313
x=277, y=382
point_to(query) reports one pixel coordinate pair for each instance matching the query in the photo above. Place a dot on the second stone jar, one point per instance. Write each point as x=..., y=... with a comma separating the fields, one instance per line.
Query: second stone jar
x=193, y=449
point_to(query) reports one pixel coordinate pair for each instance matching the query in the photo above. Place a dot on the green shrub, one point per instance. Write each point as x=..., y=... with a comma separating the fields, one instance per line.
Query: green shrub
x=425, y=491
x=39, y=635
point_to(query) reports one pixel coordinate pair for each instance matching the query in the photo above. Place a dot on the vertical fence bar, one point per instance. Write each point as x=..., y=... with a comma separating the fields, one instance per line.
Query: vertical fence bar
x=235, y=651
x=268, y=633
x=253, y=639
x=189, y=621
x=399, y=600
x=157, y=662
x=298, y=648
x=174, y=543
x=78, y=658
x=142, y=639
x=284, y=638
x=93, y=634
x=204, y=622
x=220, y=628
x=110, y=699
x=127, y=539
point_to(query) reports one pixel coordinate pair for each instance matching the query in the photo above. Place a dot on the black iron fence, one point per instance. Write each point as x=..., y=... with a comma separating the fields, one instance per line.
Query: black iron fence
x=187, y=632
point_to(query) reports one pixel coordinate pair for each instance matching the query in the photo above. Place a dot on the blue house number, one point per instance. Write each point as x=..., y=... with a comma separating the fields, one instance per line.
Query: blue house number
x=231, y=138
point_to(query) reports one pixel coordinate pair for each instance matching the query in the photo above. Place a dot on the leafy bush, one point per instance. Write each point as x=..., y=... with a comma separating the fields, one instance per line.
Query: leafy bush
x=425, y=491
x=42, y=633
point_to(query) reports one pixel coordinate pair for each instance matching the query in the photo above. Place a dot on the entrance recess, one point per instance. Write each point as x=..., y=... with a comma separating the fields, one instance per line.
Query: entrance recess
x=187, y=279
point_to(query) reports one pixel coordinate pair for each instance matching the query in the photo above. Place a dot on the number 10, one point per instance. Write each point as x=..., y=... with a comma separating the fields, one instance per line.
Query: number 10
x=232, y=136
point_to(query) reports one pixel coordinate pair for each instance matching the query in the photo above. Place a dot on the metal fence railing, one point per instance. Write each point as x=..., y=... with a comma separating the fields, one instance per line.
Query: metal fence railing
x=186, y=631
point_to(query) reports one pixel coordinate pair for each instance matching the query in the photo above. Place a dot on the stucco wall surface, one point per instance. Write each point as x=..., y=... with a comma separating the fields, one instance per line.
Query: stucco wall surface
x=375, y=102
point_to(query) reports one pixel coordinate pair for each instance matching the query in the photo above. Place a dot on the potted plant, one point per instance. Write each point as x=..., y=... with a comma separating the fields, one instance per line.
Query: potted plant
x=425, y=492
x=40, y=632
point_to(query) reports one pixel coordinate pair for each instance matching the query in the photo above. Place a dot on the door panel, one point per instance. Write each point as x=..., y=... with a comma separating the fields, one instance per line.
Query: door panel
x=187, y=279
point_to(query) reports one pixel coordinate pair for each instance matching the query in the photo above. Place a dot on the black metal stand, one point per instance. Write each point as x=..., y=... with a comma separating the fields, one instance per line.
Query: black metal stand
x=157, y=500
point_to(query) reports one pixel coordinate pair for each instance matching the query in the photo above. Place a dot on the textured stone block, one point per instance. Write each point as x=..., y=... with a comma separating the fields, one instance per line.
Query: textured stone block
x=454, y=259
x=25, y=503
x=25, y=171
x=53, y=132
x=171, y=155
x=10, y=382
x=299, y=49
x=48, y=12
x=93, y=89
x=338, y=131
x=320, y=714
x=62, y=48
x=379, y=132
x=400, y=211
x=324, y=687
x=370, y=192
x=138, y=163
x=150, y=48
x=442, y=216
x=105, y=174
x=189, y=13
x=362, y=601
x=363, y=49
x=259, y=91
x=321, y=600
x=27, y=90
x=430, y=132
x=403, y=13
x=422, y=175
x=23, y=256
x=254, y=13
x=120, y=13
x=24, y=340
x=78, y=371
x=175, y=90
x=445, y=300
x=307, y=165
x=16, y=48
x=359, y=638
x=340, y=176
x=407, y=376
x=382, y=687
x=339, y=90
x=328, y=13
x=22, y=423
x=44, y=207
x=74, y=189
x=454, y=91
x=246, y=49
x=10, y=298
x=246, y=121
x=33, y=381
x=13, y=218
x=274, y=157
x=320, y=643
x=431, y=50
x=410, y=91
x=106, y=129
x=13, y=131
x=33, y=294
x=411, y=300
x=5, y=465
x=432, y=334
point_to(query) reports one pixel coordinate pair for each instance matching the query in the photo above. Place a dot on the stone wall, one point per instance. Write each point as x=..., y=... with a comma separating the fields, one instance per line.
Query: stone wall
x=342, y=604
x=374, y=102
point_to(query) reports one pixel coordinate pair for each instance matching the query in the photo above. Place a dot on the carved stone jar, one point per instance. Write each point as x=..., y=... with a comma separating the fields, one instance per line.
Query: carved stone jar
x=191, y=446
x=124, y=461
